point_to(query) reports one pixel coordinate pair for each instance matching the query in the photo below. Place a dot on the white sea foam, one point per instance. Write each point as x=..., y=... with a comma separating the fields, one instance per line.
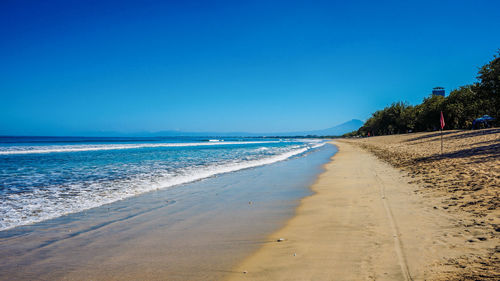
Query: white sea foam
x=79, y=148
x=318, y=145
x=40, y=205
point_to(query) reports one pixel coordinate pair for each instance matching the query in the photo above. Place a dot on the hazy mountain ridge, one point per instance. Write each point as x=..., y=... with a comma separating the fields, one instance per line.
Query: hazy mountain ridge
x=337, y=130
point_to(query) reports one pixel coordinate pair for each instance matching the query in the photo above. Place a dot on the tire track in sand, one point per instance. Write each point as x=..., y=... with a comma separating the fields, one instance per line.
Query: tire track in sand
x=395, y=231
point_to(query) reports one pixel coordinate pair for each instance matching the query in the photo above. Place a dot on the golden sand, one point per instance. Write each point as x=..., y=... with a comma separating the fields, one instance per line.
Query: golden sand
x=432, y=217
x=466, y=180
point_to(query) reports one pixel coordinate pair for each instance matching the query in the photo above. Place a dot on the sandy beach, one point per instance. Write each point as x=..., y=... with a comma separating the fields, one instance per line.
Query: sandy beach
x=384, y=208
x=373, y=219
x=465, y=179
x=250, y=140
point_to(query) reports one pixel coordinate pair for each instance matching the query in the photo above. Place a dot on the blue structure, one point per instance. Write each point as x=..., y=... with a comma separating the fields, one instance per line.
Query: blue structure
x=438, y=91
x=484, y=121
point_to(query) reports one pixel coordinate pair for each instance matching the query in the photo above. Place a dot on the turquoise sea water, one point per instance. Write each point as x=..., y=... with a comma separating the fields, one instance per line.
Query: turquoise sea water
x=47, y=177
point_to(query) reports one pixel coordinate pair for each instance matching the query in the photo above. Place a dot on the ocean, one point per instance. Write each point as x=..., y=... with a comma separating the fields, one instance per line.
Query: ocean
x=43, y=178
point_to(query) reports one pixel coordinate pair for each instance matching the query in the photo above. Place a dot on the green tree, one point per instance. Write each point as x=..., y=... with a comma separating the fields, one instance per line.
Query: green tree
x=428, y=113
x=488, y=87
x=461, y=107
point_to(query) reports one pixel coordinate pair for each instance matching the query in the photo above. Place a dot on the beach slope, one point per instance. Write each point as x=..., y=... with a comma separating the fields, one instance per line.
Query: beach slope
x=363, y=222
x=465, y=179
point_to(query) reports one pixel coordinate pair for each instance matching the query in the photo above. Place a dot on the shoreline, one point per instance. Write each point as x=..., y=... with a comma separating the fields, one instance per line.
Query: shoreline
x=363, y=221
x=44, y=209
x=195, y=232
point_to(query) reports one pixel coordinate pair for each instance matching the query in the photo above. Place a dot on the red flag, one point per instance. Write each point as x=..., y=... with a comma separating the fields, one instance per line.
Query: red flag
x=441, y=120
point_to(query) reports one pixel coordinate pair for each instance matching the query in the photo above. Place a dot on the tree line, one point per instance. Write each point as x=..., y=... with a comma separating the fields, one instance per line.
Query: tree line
x=460, y=108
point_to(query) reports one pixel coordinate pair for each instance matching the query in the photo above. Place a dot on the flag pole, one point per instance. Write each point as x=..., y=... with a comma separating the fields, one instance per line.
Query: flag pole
x=441, y=141
x=441, y=123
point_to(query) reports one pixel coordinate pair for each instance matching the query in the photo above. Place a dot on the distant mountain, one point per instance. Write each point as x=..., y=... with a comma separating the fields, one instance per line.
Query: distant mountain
x=338, y=130
x=201, y=134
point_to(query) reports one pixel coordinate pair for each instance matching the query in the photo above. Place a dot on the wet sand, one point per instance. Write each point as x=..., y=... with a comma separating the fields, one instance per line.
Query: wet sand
x=365, y=221
x=197, y=231
x=385, y=208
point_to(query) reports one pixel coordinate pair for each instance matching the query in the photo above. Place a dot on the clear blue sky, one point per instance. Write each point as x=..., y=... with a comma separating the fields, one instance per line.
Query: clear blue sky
x=73, y=67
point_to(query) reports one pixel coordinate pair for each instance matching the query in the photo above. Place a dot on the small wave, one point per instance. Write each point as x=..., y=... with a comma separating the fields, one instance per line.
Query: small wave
x=318, y=145
x=47, y=209
x=81, y=148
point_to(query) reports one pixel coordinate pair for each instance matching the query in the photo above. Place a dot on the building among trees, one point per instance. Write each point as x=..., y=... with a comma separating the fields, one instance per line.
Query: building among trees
x=438, y=91
x=467, y=107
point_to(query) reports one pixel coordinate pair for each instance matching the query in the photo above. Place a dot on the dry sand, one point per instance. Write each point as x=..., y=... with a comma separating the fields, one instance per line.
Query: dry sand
x=466, y=181
x=367, y=221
